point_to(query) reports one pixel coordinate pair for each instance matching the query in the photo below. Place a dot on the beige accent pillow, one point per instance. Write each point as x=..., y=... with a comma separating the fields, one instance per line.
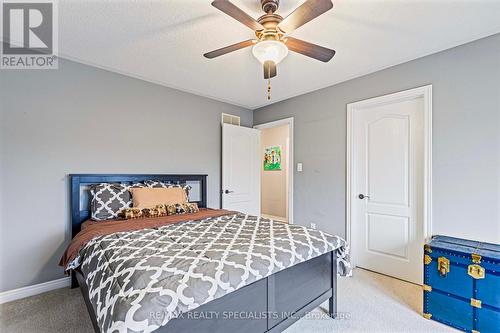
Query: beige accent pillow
x=150, y=197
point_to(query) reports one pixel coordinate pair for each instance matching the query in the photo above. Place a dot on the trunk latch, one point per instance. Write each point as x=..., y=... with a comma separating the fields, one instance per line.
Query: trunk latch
x=443, y=266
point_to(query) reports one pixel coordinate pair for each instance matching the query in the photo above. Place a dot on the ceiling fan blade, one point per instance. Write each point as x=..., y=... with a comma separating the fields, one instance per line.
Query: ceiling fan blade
x=236, y=13
x=269, y=69
x=306, y=12
x=311, y=50
x=230, y=48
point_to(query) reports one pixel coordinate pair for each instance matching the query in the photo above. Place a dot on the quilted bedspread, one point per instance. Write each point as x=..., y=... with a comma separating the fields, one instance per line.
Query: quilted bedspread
x=139, y=280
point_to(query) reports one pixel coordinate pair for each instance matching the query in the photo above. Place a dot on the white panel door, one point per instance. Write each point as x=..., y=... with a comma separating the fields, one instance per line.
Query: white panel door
x=241, y=169
x=388, y=188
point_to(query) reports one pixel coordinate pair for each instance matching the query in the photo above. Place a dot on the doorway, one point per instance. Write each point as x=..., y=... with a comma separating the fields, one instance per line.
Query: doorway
x=276, y=170
x=244, y=171
x=389, y=182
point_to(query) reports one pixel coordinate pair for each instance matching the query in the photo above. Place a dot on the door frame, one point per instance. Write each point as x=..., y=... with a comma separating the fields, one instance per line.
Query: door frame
x=424, y=92
x=291, y=165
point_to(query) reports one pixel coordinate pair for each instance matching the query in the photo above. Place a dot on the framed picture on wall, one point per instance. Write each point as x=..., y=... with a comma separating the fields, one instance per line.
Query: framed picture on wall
x=272, y=158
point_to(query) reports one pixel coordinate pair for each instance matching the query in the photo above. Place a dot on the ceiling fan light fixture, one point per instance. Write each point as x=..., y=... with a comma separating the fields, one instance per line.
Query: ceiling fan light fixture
x=270, y=50
x=273, y=33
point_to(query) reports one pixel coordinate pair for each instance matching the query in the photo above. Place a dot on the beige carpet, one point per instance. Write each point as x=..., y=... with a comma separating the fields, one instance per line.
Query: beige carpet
x=368, y=302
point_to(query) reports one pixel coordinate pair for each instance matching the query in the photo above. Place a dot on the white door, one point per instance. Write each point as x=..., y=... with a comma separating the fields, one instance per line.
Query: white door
x=241, y=169
x=387, y=188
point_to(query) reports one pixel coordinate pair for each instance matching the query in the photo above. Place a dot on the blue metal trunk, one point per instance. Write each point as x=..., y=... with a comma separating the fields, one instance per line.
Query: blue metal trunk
x=462, y=284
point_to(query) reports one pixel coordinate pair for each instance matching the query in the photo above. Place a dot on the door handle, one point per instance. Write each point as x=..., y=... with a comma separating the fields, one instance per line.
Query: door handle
x=362, y=196
x=227, y=191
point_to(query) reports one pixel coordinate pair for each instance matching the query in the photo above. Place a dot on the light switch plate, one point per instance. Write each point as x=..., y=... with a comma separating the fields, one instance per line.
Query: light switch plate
x=299, y=167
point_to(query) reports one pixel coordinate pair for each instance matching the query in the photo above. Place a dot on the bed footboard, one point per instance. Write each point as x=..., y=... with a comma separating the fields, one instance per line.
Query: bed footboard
x=269, y=305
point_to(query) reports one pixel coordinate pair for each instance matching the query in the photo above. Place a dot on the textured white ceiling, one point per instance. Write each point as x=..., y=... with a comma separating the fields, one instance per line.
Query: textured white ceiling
x=162, y=41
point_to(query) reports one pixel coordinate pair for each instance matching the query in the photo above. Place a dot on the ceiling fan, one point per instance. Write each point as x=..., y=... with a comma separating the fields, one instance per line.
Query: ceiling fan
x=273, y=33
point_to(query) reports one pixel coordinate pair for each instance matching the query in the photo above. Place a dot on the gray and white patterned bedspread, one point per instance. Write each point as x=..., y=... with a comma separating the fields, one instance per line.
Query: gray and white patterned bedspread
x=176, y=268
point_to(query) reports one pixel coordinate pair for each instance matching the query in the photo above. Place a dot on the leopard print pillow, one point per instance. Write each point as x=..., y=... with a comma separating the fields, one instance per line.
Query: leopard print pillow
x=132, y=213
x=160, y=210
x=156, y=211
x=135, y=213
x=191, y=207
x=184, y=208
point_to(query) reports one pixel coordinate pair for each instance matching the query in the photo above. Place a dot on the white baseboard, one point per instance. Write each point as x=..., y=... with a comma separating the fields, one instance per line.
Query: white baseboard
x=15, y=294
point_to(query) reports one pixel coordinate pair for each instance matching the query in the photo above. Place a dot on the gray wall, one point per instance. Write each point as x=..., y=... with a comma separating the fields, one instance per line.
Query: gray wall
x=80, y=119
x=466, y=139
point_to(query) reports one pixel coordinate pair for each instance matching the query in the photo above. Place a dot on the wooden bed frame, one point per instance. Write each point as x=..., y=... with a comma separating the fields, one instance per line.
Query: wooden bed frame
x=267, y=305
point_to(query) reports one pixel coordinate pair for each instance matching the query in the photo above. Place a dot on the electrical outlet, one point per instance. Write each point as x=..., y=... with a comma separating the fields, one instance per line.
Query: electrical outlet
x=313, y=226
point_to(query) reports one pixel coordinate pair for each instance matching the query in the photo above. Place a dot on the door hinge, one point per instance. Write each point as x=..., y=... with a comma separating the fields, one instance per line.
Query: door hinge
x=427, y=315
x=475, y=303
x=426, y=287
x=427, y=259
x=443, y=266
x=476, y=258
x=476, y=271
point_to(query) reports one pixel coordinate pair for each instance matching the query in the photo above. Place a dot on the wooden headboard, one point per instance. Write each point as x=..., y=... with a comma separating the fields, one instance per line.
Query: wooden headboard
x=80, y=209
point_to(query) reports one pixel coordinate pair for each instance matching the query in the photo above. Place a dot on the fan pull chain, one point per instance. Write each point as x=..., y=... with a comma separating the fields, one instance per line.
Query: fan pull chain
x=269, y=89
x=269, y=83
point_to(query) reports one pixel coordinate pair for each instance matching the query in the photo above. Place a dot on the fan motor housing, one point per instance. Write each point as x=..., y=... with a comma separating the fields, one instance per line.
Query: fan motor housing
x=270, y=6
x=269, y=21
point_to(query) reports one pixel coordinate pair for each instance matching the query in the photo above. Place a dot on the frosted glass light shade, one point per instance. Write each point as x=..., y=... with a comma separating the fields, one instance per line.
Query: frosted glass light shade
x=270, y=50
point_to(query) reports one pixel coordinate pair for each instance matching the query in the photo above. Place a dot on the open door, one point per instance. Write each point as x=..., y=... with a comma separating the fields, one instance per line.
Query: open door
x=241, y=169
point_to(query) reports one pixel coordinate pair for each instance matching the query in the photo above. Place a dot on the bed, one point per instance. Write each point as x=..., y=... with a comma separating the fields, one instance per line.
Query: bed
x=266, y=303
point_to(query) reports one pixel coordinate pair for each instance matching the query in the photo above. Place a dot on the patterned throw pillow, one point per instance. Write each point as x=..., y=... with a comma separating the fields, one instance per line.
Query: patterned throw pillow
x=189, y=207
x=160, y=184
x=132, y=213
x=160, y=210
x=157, y=184
x=108, y=201
x=156, y=211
